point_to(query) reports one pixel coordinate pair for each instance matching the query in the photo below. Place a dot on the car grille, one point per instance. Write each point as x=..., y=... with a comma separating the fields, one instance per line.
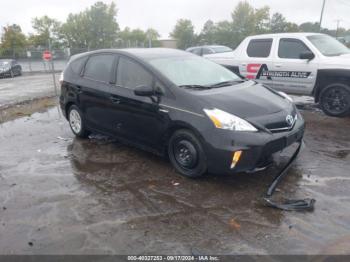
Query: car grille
x=282, y=127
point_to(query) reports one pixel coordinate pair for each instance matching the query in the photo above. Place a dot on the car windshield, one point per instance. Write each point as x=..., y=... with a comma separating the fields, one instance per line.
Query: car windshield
x=221, y=49
x=328, y=46
x=193, y=71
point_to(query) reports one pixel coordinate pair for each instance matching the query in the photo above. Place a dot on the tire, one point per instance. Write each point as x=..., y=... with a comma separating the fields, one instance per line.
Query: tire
x=76, y=122
x=186, y=154
x=335, y=100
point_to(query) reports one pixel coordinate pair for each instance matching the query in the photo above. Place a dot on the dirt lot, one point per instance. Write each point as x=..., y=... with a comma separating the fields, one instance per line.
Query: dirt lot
x=61, y=195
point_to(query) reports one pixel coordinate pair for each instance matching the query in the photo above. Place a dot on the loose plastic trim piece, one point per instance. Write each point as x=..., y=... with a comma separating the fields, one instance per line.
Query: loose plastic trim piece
x=288, y=205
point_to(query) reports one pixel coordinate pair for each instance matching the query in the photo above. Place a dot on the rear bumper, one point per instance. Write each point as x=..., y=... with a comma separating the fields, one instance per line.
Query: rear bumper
x=257, y=148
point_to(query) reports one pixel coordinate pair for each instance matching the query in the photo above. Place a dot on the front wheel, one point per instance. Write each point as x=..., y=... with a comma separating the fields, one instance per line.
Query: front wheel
x=76, y=122
x=186, y=154
x=335, y=100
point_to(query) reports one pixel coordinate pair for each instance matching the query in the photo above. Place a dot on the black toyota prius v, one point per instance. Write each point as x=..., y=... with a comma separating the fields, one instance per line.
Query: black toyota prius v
x=170, y=102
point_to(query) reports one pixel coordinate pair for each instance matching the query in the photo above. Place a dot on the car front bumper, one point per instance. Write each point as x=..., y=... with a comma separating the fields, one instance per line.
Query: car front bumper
x=5, y=73
x=257, y=148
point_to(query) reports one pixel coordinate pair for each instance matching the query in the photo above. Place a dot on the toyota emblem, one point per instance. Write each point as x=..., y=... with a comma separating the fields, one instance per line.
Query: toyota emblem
x=289, y=120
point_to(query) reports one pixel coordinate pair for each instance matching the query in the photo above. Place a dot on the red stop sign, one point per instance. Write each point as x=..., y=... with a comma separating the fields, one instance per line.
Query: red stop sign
x=47, y=55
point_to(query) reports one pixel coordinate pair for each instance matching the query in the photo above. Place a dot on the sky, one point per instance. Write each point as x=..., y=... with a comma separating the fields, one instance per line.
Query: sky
x=163, y=14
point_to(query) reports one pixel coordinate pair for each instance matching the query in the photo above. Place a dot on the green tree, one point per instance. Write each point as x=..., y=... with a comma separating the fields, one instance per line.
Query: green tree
x=207, y=35
x=138, y=37
x=262, y=20
x=153, y=35
x=46, y=31
x=278, y=23
x=124, y=37
x=96, y=27
x=184, y=33
x=75, y=31
x=224, y=34
x=309, y=27
x=292, y=28
x=248, y=21
x=13, y=41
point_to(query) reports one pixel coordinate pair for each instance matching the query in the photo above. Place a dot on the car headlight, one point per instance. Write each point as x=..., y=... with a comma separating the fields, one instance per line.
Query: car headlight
x=286, y=96
x=224, y=120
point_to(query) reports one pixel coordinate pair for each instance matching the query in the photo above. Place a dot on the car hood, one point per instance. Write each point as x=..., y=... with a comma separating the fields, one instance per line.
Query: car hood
x=341, y=61
x=246, y=100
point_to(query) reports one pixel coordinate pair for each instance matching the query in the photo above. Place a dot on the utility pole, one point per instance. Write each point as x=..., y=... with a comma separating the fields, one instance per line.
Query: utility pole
x=338, y=22
x=321, y=18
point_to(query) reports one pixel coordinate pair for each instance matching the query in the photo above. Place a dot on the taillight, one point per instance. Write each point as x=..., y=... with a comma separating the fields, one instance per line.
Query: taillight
x=61, y=78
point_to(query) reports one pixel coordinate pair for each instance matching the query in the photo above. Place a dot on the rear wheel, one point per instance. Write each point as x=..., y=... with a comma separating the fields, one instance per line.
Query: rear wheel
x=186, y=154
x=335, y=100
x=76, y=122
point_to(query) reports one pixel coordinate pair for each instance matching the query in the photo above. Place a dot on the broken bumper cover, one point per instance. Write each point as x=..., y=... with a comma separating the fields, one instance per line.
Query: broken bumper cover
x=257, y=148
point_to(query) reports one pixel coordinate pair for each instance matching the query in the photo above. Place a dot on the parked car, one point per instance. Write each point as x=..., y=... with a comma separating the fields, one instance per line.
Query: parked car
x=167, y=101
x=10, y=67
x=296, y=63
x=208, y=49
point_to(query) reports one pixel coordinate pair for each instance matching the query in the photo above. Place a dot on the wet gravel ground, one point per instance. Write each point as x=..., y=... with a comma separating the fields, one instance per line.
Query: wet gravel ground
x=62, y=195
x=26, y=87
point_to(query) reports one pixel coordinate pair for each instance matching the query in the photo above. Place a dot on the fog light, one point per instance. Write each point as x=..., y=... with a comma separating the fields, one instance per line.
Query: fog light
x=235, y=158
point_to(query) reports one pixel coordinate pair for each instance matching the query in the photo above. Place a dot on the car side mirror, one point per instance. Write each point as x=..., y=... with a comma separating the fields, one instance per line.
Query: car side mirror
x=144, y=91
x=307, y=55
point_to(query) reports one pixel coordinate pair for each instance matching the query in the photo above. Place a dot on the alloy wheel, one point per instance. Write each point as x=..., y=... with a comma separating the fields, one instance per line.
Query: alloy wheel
x=337, y=100
x=75, y=121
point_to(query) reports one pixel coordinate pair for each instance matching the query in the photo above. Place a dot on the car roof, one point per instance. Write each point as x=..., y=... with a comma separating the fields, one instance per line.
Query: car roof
x=298, y=34
x=206, y=46
x=141, y=53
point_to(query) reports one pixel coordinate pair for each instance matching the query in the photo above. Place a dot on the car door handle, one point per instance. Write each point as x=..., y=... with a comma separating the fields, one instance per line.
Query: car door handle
x=115, y=100
x=278, y=65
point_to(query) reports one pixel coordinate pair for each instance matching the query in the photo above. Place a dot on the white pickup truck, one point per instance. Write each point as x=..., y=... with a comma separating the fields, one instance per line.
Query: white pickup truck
x=296, y=63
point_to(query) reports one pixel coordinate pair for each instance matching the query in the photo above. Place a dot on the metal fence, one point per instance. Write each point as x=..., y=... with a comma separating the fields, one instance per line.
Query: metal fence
x=31, y=59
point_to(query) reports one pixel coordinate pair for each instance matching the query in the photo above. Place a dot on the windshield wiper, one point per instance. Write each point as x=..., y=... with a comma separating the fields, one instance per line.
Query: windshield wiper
x=196, y=86
x=227, y=83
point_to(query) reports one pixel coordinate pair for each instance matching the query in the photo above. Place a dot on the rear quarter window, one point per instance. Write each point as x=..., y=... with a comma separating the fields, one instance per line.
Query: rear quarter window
x=99, y=67
x=77, y=65
x=259, y=47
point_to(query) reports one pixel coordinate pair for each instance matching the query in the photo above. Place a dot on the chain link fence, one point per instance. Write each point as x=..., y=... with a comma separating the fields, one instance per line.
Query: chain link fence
x=31, y=59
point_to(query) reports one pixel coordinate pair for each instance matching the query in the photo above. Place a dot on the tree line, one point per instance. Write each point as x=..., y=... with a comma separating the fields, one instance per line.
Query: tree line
x=97, y=27
x=245, y=20
x=94, y=28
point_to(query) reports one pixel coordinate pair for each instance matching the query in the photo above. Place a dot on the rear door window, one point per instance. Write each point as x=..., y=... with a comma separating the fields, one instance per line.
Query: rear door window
x=131, y=74
x=99, y=67
x=259, y=47
x=207, y=51
x=290, y=48
x=197, y=51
